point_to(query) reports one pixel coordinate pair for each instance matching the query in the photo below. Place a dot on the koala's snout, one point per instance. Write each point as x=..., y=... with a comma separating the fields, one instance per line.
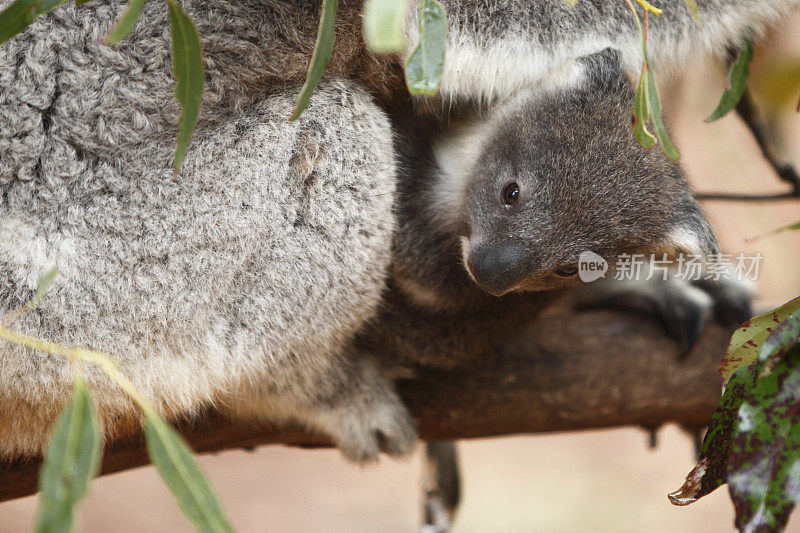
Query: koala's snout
x=497, y=267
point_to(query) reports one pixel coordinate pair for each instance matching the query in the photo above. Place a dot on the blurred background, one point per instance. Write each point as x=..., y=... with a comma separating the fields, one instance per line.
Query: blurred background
x=600, y=481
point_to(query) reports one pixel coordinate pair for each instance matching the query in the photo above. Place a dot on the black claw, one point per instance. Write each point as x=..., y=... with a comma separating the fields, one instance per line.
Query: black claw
x=694, y=327
x=653, y=438
x=685, y=322
x=384, y=444
x=732, y=301
x=733, y=310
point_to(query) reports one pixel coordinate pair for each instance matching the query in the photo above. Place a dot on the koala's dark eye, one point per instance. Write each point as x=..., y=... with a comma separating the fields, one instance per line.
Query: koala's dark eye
x=511, y=193
x=566, y=272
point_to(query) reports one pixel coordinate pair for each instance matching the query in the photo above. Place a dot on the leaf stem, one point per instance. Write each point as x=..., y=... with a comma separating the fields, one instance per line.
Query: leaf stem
x=104, y=361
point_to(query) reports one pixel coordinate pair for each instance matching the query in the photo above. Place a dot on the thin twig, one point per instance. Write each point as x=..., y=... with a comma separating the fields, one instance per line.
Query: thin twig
x=747, y=111
x=748, y=197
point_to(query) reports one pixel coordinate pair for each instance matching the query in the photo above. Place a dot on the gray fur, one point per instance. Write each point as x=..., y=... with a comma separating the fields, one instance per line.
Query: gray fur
x=247, y=273
x=524, y=42
x=242, y=281
x=584, y=181
x=585, y=184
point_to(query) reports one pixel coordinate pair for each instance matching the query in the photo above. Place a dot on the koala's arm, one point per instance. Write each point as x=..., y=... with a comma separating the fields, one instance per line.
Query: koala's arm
x=495, y=48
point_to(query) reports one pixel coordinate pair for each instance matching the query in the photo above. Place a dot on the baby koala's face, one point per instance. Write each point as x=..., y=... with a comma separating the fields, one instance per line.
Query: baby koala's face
x=560, y=173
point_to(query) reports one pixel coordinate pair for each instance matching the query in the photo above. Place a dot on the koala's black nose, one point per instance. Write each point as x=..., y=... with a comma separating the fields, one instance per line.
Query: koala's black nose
x=497, y=267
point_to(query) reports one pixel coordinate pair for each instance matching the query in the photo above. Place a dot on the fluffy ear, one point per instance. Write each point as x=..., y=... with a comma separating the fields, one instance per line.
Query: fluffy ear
x=604, y=68
x=690, y=233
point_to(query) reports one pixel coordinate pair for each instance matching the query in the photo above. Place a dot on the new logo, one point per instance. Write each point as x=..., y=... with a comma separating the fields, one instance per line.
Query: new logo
x=591, y=266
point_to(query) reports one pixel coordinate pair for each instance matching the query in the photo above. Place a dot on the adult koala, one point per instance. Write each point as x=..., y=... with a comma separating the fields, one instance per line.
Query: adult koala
x=241, y=281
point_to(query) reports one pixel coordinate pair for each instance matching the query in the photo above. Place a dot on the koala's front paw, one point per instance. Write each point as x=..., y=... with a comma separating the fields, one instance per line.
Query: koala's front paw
x=732, y=300
x=363, y=429
x=683, y=308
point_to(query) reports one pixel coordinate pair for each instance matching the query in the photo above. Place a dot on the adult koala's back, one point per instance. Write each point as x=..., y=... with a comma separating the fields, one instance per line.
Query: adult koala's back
x=249, y=270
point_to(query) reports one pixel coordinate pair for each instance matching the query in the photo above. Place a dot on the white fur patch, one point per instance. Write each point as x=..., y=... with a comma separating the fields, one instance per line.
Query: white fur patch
x=456, y=155
x=488, y=73
x=465, y=256
x=27, y=251
x=485, y=70
x=683, y=239
x=420, y=294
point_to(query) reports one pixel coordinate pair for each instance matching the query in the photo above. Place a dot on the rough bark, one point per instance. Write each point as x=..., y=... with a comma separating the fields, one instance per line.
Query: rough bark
x=568, y=371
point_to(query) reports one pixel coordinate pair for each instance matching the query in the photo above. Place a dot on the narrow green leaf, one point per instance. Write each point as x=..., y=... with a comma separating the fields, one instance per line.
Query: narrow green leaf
x=45, y=283
x=126, y=22
x=187, y=68
x=81, y=2
x=384, y=22
x=174, y=461
x=737, y=80
x=763, y=475
x=425, y=65
x=711, y=470
x=654, y=104
x=46, y=6
x=71, y=461
x=16, y=17
x=323, y=49
x=641, y=114
x=789, y=227
x=746, y=341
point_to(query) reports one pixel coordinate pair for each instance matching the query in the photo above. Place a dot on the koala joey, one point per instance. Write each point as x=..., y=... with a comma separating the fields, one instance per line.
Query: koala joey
x=242, y=281
x=520, y=193
x=494, y=213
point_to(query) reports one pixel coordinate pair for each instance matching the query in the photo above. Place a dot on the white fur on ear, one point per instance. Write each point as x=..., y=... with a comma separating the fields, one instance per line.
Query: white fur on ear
x=683, y=239
x=692, y=240
x=456, y=154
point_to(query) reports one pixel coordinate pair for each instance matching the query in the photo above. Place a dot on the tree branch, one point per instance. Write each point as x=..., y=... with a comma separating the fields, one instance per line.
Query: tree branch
x=570, y=370
x=746, y=109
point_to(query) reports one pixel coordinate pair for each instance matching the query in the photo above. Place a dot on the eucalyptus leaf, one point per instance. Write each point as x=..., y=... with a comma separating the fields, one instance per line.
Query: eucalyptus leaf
x=763, y=475
x=16, y=17
x=323, y=49
x=746, y=341
x=737, y=80
x=425, y=65
x=711, y=470
x=384, y=22
x=654, y=104
x=785, y=337
x=71, y=461
x=126, y=22
x=789, y=227
x=45, y=283
x=641, y=114
x=174, y=461
x=187, y=68
x=46, y=6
